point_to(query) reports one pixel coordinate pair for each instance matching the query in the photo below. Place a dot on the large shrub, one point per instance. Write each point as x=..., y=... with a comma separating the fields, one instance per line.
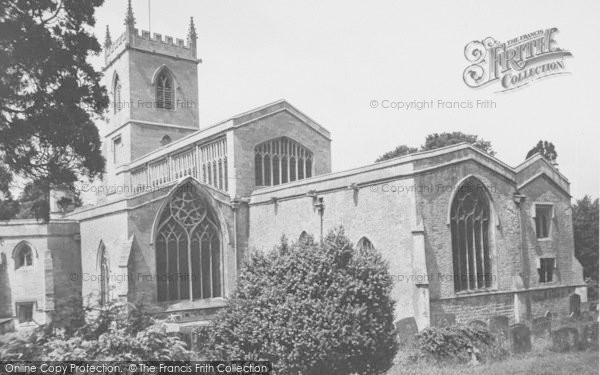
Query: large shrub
x=118, y=332
x=459, y=343
x=310, y=309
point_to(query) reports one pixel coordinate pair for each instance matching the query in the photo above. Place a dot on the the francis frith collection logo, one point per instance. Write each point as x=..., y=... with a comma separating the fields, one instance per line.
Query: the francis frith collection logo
x=515, y=63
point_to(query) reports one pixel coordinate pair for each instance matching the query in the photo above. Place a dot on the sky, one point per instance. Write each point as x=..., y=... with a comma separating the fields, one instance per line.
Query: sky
x=334, y=59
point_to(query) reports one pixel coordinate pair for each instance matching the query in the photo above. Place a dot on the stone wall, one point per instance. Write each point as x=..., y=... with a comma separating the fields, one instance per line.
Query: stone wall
x=554, y=300
x=437, y=188
x=142, y=67
x=273, y=126
x=370, y=210
x=560, y=244
x=106, y=224
x=49, y=280
x=475, y=307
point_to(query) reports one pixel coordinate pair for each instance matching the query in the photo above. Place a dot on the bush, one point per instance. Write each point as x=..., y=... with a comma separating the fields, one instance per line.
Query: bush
x=118, y=332
x=460, y=343
x=310, y=309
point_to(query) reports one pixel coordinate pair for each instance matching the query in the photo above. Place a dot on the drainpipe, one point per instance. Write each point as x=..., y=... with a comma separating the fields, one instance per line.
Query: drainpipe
x=319, y=204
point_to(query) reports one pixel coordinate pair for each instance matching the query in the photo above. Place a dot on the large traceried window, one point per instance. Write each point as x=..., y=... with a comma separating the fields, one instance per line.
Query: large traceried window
x=164, y=90
x=188, y=248
x=281, y=160
x=470, y=228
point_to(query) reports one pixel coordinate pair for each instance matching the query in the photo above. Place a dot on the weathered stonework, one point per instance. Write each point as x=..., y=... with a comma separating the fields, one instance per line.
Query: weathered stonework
x=402, y=206
x=51, y=280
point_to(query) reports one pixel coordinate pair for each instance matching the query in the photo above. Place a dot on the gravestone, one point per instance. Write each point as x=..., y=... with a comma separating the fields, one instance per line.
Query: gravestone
x=575, y=305
x=565, y=339
x=520, y=338
x=443, y=319
x=499, y=326
x=541, y=327
x=406, y=330
x=586, y=316
x=589, y=337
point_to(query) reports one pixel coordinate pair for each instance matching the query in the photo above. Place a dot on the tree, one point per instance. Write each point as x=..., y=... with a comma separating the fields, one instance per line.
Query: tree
x=310, y=309
x=8, y=206
x=585, y=232
x=49, y=93
x=398, y=151
x=546, y=149
x=435, y=140
x=34, y=201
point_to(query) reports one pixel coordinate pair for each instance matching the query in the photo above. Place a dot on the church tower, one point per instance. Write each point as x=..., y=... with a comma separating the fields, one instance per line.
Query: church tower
x=152, y=82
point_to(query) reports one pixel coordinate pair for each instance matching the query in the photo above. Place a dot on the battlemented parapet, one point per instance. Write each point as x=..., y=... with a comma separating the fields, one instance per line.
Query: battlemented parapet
x=142, y=40
x=155, y=43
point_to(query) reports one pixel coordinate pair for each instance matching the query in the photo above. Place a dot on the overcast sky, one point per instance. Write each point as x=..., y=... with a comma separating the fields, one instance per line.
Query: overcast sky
x=330, y=59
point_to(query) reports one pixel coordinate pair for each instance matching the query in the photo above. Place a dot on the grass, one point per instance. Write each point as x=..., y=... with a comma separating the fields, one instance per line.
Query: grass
x=534, y=363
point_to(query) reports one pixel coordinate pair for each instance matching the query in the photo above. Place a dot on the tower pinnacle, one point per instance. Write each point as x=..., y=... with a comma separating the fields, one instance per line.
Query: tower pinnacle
x=192, y=31
x=107, y=39
x=192, y=36
x=129, y=18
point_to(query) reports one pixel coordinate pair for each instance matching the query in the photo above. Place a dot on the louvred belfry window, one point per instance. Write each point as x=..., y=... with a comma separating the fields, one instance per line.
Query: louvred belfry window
x=188, y=248
x=470, y=228
x=164, y=91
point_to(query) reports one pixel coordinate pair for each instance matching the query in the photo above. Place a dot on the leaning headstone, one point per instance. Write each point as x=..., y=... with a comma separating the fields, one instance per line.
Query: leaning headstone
x=575, y=305
x=565, y=339
x=520, y=338
x=499, y=327
x=443, y=320
x=589, y=337
x=406, y=330
x=541, y=327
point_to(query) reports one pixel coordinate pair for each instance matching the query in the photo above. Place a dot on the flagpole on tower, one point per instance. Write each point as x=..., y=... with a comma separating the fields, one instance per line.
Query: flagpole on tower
x=149, y=23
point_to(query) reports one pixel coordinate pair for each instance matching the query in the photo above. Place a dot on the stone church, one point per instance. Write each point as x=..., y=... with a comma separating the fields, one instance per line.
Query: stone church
x=180, y=207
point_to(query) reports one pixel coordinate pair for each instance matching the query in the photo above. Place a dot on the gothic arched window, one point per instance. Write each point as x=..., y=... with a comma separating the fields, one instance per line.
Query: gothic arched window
x=23, y=256
x=364, y=245
x=118, y=104
x=104, y=274
x=281, y=160
x=165, y=140
x=164, y=90
x=470, y=227
x=304, y=237
x=188, y=248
